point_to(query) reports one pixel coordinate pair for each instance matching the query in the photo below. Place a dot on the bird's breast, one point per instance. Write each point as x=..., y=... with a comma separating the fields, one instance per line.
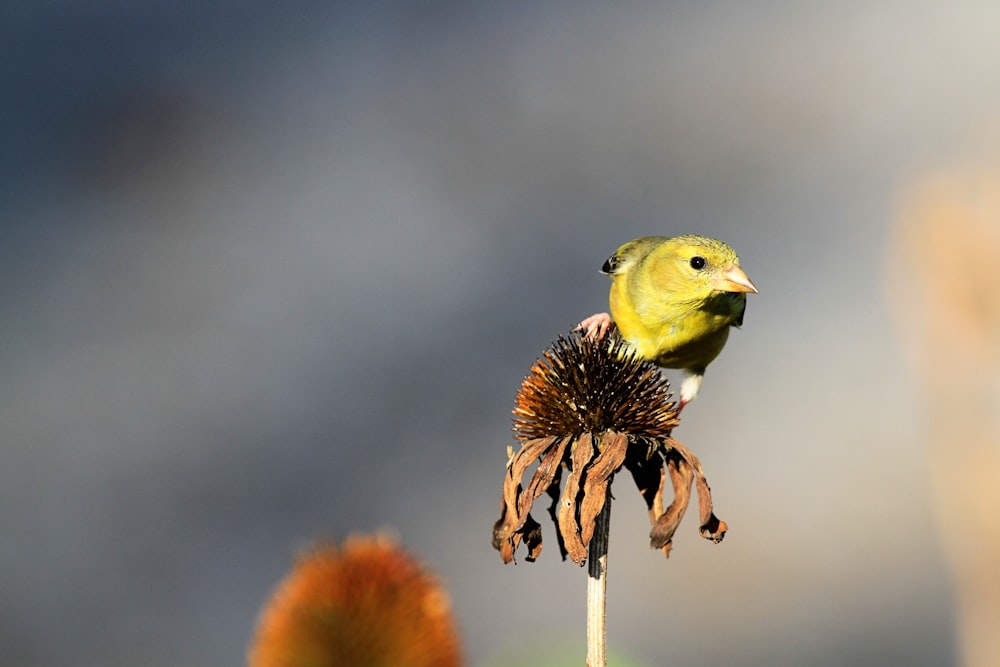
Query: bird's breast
x=678, y=337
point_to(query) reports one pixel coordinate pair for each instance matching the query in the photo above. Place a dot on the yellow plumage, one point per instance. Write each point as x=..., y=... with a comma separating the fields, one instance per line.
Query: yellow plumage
x=674, y=300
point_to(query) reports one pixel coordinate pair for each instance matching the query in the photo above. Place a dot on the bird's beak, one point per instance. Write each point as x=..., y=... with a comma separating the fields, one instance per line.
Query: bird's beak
x=735, y=280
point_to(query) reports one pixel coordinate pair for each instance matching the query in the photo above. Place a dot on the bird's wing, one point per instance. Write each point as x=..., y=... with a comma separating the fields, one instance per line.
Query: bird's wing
x=739, y=318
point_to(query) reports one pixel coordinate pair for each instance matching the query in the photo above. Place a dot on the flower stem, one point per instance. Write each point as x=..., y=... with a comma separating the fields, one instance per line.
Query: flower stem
x=597, y=585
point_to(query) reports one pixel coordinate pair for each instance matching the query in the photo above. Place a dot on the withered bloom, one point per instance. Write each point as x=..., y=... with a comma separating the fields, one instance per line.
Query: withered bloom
x=367, y=604
x=590, y=407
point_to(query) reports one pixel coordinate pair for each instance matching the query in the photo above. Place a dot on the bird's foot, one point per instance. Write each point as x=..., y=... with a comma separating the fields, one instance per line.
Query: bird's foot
x=595, y=326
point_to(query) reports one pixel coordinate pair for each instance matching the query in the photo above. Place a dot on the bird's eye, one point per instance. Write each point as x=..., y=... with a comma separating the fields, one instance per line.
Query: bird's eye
x=697, y=263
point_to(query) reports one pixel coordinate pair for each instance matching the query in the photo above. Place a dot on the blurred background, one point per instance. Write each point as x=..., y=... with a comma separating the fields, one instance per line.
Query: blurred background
x=273, y=272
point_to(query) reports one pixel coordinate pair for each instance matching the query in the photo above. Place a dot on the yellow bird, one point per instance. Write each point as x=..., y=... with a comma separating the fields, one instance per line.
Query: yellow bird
x=673, y=301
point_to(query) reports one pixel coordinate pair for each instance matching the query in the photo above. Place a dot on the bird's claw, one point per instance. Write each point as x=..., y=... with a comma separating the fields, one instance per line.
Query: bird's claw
x=595, y=326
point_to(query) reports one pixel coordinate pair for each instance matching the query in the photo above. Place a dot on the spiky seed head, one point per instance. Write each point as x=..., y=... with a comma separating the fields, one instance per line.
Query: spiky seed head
x=584, y=385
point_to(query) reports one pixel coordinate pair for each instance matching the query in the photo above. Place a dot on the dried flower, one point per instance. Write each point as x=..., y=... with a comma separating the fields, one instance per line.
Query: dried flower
x=591, y=407
x=368, y=604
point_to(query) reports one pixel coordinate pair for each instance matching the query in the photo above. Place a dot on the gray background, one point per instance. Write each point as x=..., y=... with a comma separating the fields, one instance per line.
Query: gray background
x=274, y=273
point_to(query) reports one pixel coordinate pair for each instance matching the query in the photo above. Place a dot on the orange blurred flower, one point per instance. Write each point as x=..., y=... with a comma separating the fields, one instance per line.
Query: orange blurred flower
x=367, y=604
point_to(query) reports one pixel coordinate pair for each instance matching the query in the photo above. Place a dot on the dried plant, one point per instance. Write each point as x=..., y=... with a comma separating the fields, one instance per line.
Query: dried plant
x=590, y=407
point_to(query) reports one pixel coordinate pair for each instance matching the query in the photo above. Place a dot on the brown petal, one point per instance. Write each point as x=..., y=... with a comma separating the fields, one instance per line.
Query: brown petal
x=712, y=528
x=650, y=478
x=544, y=475
x=613, y=447
x=554, y=505
x=681, y=477
x=569, y=527
x=532, y=531
x=513, y=511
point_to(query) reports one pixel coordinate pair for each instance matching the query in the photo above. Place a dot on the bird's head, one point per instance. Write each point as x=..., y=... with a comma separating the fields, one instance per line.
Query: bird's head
x=709, y=264
x=690, y=267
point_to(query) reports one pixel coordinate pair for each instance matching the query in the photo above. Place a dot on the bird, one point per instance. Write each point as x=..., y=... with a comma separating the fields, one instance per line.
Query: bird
x=673, y=300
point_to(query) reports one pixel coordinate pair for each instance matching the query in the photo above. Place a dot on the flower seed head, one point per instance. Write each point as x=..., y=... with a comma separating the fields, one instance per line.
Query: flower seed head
x=586, y=385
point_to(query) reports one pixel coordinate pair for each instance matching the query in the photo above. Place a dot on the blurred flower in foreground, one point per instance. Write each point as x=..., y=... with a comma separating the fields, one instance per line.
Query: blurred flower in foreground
x=591, y=407
x=944, y=257
x=368, y=604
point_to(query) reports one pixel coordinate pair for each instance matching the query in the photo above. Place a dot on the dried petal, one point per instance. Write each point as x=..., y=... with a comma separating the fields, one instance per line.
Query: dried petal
x=569, y=526
x=554, y=495
x=516, y=503
x=712, y=528
x=543, y=477
x=532, y=532
x=614, y=447
x=650, y=478
x=666, y=524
